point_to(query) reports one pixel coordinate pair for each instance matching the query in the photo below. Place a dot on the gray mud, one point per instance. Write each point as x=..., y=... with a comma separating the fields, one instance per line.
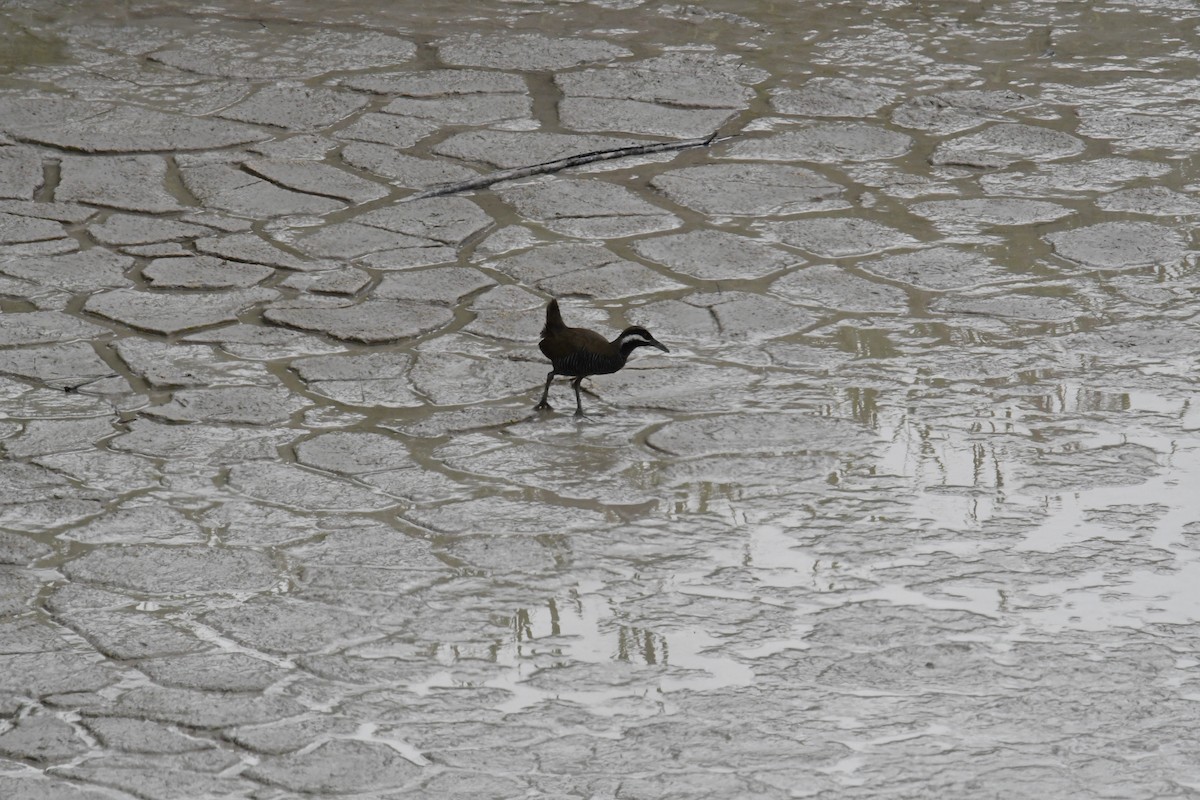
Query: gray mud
x=909, y=510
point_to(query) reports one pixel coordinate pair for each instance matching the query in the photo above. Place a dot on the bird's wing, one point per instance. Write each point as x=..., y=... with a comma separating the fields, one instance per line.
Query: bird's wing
x=579, y=351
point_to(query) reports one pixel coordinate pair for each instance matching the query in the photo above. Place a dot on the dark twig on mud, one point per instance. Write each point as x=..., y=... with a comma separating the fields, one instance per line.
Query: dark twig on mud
x=547, y=167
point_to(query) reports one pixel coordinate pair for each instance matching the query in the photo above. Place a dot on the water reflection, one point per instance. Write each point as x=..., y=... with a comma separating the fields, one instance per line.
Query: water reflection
x=864, y=405
x=641, y=646
x=585, y=628
x=866, y=342
x=1066, y=397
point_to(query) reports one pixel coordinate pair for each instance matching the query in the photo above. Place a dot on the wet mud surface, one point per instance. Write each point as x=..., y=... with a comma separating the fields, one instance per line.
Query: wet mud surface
x=909, y=510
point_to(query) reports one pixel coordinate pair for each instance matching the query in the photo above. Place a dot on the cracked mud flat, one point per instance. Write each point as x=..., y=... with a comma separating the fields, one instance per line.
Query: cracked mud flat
x=908, y=511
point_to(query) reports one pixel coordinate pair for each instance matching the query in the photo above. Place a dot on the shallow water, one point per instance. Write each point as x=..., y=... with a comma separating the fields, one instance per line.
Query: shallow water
x=908, y=510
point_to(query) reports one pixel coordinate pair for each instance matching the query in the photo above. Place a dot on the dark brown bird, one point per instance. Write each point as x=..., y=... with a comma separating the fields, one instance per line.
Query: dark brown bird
x=579, y=352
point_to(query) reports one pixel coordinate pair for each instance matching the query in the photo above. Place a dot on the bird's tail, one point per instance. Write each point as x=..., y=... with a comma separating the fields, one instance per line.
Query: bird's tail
x=554, y=320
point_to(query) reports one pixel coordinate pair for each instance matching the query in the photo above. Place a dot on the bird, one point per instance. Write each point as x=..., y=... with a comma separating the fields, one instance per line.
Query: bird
x=580, y=353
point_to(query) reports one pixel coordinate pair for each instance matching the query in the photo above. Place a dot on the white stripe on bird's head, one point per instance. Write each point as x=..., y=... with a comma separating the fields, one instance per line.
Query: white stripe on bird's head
x=637, y=336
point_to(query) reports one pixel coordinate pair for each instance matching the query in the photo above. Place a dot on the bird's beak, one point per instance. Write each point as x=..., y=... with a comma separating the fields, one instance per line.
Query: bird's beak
x=659, y=345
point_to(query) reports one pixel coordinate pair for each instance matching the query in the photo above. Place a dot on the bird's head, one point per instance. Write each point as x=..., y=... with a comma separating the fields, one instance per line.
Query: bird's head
x=635, y=337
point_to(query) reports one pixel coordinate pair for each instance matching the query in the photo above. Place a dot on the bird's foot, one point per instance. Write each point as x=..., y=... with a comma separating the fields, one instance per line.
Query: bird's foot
x=543, y=406
x=579, y=413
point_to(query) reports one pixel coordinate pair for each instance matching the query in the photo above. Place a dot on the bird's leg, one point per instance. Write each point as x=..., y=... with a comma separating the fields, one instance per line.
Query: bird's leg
x=578, y=402
x=545, y=393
